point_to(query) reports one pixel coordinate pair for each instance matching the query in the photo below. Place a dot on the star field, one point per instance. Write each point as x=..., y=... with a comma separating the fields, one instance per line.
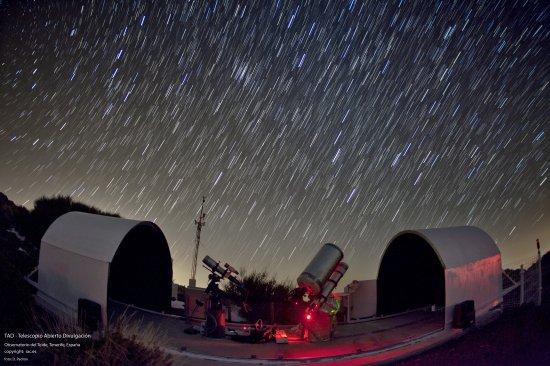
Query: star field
x=302, y=122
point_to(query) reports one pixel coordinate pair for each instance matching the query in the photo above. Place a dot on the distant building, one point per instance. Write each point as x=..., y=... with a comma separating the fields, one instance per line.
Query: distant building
x=178, y=292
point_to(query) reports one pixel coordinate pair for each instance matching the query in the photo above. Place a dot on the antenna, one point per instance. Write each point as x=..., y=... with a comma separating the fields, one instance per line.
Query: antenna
x=200, y=223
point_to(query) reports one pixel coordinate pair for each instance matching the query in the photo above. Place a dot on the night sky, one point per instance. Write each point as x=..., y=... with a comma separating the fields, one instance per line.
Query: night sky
x=301, y=122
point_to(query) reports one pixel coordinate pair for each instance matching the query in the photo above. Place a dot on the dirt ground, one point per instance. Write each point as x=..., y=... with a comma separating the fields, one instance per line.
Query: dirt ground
x=521, y=337
x=349, y=338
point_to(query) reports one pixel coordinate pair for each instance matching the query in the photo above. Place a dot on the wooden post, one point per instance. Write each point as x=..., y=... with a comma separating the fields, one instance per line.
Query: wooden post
x=521, y=285
x=539, y=267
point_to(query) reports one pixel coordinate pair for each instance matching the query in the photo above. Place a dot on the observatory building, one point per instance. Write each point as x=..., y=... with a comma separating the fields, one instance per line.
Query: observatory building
x=442, y=267
x=93, y=258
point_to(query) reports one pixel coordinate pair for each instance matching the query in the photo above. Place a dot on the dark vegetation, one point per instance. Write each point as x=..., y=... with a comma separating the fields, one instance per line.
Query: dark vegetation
x=46, y=210
x=267, y=299
x=125, y=344
x=18, y=256
x=20, y=233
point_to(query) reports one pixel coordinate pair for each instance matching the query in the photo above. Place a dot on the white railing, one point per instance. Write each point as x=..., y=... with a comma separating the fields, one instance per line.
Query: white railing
x=522, y=283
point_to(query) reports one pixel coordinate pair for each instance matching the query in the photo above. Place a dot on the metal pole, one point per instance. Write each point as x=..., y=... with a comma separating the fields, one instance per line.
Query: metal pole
x=200, y=223
x=539, y=299
x=521, y=285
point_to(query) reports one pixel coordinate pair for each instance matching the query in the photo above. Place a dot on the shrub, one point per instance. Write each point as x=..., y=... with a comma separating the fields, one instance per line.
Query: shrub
x=47, y=210
x=127, y=343
x=261, y=290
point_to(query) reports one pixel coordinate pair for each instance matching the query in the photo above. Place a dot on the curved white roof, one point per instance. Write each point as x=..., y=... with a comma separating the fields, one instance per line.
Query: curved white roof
x=92, y=236
x=472, y=266
x=457, y=246
x=75, y=260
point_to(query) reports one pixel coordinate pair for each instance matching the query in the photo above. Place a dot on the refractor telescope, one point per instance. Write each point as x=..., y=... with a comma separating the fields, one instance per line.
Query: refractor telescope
x=215, y=318
x=227, y=271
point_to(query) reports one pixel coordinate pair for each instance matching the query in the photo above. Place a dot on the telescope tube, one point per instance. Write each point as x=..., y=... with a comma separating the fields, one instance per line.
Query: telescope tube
x=331, y=283
x=320, y=268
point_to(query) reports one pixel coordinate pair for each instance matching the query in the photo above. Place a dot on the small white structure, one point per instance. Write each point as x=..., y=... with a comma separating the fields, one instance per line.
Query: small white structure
x=361, y=299
x=96, y=257
x=441, y=267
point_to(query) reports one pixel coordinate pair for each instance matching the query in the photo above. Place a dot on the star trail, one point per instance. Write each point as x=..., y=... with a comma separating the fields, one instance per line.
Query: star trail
x=302, y=122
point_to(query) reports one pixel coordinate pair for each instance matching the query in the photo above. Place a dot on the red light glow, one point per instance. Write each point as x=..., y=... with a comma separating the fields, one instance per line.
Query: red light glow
x=308, y=316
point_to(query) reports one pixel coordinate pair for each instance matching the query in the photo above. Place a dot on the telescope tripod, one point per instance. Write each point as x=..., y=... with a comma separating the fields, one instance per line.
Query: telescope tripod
x=215, y=317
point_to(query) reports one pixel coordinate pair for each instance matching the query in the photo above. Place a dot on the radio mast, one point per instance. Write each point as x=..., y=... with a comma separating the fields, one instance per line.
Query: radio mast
x=200, y=223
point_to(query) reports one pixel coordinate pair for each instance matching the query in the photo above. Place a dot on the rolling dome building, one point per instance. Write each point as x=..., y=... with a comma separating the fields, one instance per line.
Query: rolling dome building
x=442, y=267
x=95, y=258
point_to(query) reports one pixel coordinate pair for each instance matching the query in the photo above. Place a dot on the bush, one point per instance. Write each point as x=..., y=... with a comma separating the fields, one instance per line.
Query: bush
x=47, y=210
x=261, y=291
x=127, y=343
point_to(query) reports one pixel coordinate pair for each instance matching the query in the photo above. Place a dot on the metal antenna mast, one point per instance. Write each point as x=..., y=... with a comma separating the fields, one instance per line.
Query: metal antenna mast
x=200, y=223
